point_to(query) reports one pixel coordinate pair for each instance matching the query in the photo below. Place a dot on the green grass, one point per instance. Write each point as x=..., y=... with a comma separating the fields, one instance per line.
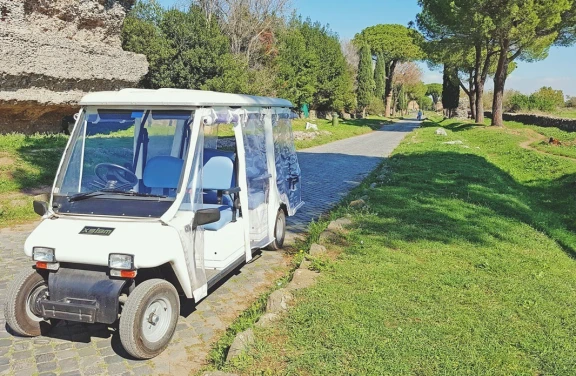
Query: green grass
x=26, y=163
x=567, y=139
x=463, y=263
x=344, y=129
x=567, y=112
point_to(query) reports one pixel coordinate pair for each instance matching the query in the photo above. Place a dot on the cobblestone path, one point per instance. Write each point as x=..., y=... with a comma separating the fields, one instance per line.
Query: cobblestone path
x=329, y=172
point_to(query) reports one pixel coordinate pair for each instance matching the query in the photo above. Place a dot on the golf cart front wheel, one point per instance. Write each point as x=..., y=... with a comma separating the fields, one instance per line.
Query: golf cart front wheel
x=279, y=231
x=149, y=318
x=22, y=308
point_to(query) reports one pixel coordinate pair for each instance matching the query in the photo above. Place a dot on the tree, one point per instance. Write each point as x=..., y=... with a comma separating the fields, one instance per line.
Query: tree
x=297, y=67
x=379, y=77
x=456, y=36
x=245, y=22
x=350, y=52
x=396, y=43
x=526, y=31
x=435, y=91
x=365, y=79
x=450, y=90
x=425, y=103
x=547, y=99
x=501, y=32
x=407, y=74
x=183, y=48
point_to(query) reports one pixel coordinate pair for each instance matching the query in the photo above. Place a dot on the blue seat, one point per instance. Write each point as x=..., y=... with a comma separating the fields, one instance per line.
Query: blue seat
x=218, y=177
x=225, y=217
x=163, y=173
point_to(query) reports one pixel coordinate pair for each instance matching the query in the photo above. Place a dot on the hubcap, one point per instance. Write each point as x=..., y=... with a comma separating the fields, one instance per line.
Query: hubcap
x=156, y=320
x=33, y=309
x=279, y=230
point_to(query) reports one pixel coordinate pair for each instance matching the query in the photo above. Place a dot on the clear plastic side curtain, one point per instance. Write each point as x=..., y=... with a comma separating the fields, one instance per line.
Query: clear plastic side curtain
x=257, y=176
x=288, y=174
x=192, y=239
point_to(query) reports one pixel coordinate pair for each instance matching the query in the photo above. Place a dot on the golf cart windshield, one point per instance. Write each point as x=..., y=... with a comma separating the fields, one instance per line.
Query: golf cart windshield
x=128, y=155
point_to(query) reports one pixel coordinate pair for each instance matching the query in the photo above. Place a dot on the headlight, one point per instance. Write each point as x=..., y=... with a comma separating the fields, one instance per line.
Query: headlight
x=121, y=261
x=43, y=254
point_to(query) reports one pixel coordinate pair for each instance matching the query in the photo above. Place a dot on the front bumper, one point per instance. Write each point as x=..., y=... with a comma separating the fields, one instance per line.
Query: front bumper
x=82, y=295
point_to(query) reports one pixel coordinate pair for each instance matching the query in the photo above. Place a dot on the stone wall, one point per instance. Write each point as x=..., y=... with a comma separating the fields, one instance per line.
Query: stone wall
x=53, y=52
x=539, y=120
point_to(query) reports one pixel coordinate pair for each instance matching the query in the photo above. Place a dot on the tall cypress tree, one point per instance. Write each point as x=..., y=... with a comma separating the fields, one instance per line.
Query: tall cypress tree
x=380, y=77
x=450, y=90
x=365, y=79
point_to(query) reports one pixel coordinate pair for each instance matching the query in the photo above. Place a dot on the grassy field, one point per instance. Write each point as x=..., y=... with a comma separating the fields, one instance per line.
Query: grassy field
x=28, y=163
x=567, y=147
x=344, y=129
x=463, y=263
x=567, y=112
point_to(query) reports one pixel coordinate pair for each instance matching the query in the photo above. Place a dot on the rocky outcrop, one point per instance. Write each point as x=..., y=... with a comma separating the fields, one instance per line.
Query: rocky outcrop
x=53, y=52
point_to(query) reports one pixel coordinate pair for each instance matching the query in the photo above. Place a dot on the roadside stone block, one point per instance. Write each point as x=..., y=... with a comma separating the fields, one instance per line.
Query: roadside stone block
x=303, y=279
x=278, y=301
x=267, y=319
x=317, y=250
x=242, y=341
x=339, y=224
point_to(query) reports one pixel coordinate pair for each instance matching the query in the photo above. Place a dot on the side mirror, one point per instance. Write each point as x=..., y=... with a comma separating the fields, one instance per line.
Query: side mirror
x=40, y=207
x=206, y=216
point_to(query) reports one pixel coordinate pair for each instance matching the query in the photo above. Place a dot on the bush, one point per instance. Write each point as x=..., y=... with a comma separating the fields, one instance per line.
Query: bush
x=519, y=102
x=546, y=100
x=376, y=107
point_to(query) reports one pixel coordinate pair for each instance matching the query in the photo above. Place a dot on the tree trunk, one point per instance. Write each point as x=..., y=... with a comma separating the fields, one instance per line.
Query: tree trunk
x=364, y=113
x=472, y=99
x=499, y=83
x=389, y=79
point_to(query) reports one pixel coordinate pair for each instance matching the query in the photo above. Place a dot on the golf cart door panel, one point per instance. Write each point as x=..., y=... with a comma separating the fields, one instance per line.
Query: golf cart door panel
x=190, y=198
x=288, y=174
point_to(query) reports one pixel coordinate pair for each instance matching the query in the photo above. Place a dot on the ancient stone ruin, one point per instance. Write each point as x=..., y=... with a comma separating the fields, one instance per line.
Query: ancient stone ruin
x=52, y=52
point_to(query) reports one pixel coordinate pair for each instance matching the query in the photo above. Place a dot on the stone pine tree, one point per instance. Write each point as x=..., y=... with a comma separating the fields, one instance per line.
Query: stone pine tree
x=379, y=77
x=397, y=44
x=435, y=91
x=450, y=90
x=365, y=79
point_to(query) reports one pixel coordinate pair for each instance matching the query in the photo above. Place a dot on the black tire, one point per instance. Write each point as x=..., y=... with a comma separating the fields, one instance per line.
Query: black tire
x=279, y=232
x=20, y=310
x=139, y=336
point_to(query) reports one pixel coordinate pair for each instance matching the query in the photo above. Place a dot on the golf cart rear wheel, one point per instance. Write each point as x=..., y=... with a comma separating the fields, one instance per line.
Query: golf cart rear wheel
x=149, y=318
x=21, y=310
x=279, y=232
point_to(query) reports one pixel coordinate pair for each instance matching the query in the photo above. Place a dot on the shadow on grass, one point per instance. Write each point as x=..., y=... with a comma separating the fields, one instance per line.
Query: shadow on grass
x=450, y=197
x=453, y=126
x=41, y=155
x=374, y=124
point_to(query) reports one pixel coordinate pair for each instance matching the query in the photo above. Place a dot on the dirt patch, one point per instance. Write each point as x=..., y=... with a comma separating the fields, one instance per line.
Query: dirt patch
x=6, y=159
x=535, y=137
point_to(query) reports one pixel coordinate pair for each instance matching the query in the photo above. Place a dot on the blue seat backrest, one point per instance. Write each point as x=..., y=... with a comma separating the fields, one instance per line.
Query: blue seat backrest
x=218, y=173
x=163, y=172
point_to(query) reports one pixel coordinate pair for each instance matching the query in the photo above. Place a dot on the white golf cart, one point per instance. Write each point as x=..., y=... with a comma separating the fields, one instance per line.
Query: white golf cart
x=149, y=204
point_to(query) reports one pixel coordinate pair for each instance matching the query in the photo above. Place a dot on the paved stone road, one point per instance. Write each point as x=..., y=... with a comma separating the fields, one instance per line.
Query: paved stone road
x=329, y=171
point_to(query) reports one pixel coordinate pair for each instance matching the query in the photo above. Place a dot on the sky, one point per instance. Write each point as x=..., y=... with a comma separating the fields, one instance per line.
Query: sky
x=347, y=18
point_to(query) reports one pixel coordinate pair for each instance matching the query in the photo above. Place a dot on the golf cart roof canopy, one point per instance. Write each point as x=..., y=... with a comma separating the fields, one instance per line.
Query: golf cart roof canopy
x=178, y=98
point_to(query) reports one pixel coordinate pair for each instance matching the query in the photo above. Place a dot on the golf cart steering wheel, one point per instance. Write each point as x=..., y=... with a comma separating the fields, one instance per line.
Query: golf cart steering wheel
x=115, y=176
